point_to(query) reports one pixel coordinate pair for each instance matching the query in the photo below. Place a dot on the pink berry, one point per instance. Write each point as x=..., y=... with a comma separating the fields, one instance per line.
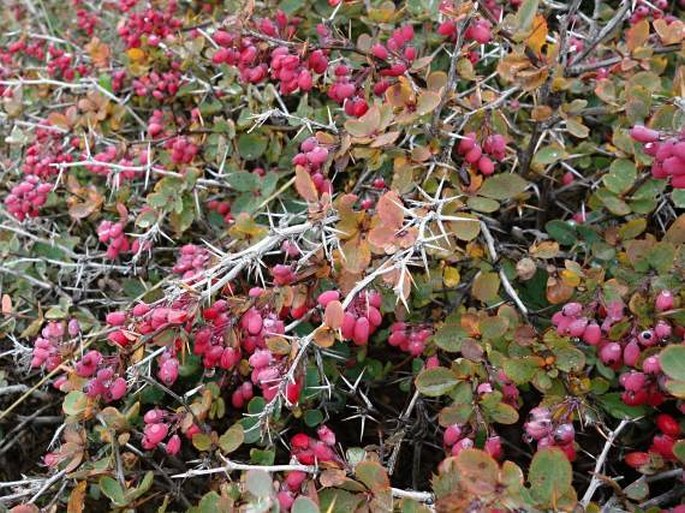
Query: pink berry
x=328, y=296
x=116, y=318
x=643, y=134
x=610, y=354
x=173, y=446
x=361, y=331
x=664, y=301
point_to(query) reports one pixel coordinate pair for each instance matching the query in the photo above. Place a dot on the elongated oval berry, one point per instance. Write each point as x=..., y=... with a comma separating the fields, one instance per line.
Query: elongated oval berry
x=592, y=334
x=663, y=330
x=668, y=425
x=349, y=322
x=116, y=318
x=564, y=433
x=452, y=435
x=641, y=133
x=664, y=301
x=375, y=317
x=294, y=479
x=636, y=459
x=117, y=389
x=173, y=446
x=154, y=434
x=577, y=327
x=631, y=353
x=610, y=354
x=361, y=331
x=255, y=323
x=328, y=296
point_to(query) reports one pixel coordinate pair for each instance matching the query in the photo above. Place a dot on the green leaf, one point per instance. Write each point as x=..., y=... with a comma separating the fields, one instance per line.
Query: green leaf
x=672, y=361
x=569, y=359
x=526, y=15
x=304, y=505
x=450, y=335
x=621, y=177
x=485, y=205
x=613, y=203
x=142, y=488
x=679, y=450
x=202, y=442
x=614, y=406
x=678, y=197
x=112, y=489
x=503, y=413
x=550, y=476
x=372, y=475
x=436, y=382
x=313, y=417
x=563, y=232
x=503, y=186
x=258, y=483
x=251, y=146
x=521, y=370
x=209, y=503
x=485, y=286
x=549, y=155
x=231, y=439
x=75, y=403
x=243, y=181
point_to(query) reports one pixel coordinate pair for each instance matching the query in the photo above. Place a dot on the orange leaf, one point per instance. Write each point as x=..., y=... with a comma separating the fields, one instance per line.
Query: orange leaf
x=356, y=255
x=77, y=497
x=390, y=211
x=305, y=185
x=135, y=54
x=637, y=35
x=670, y=33
x=6, y=304
x=99, y=52
x=538, y=36
x=324, y=337
x=333, y=317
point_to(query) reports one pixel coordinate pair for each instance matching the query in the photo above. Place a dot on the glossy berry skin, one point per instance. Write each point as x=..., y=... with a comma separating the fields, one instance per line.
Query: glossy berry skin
x=668, y=425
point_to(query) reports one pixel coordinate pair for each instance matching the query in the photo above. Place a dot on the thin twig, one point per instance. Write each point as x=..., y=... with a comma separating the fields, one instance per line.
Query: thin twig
x=596, y=482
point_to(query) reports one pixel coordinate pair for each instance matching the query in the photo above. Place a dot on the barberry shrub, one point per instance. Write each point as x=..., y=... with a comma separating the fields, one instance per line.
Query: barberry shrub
x=342, y=256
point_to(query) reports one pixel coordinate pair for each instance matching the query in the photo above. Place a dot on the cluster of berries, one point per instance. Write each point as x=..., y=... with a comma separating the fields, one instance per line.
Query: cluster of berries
x=113, y=235
x=160, y=85
x=183, y=151
x=635, y=348
x=362, y=317
x=456, y=439
x=668, y=153
x=482, y=156
x=26, y=198
x=43, y=155
x=312, y=157
x=157, y=429
x=149, y=26
x=548, y=432
x=308, y=451
x=223, y=208
x=409, y=338
x=192, y=261
x=47, y=348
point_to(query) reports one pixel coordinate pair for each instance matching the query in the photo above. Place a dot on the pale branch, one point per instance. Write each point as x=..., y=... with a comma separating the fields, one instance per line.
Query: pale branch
x=231, y=466
x=452, y=75
x=596, y=482
x=606, y=31
x=424, y=497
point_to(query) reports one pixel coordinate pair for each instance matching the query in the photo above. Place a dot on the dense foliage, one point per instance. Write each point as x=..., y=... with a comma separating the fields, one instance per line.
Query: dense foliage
x=342, y=256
